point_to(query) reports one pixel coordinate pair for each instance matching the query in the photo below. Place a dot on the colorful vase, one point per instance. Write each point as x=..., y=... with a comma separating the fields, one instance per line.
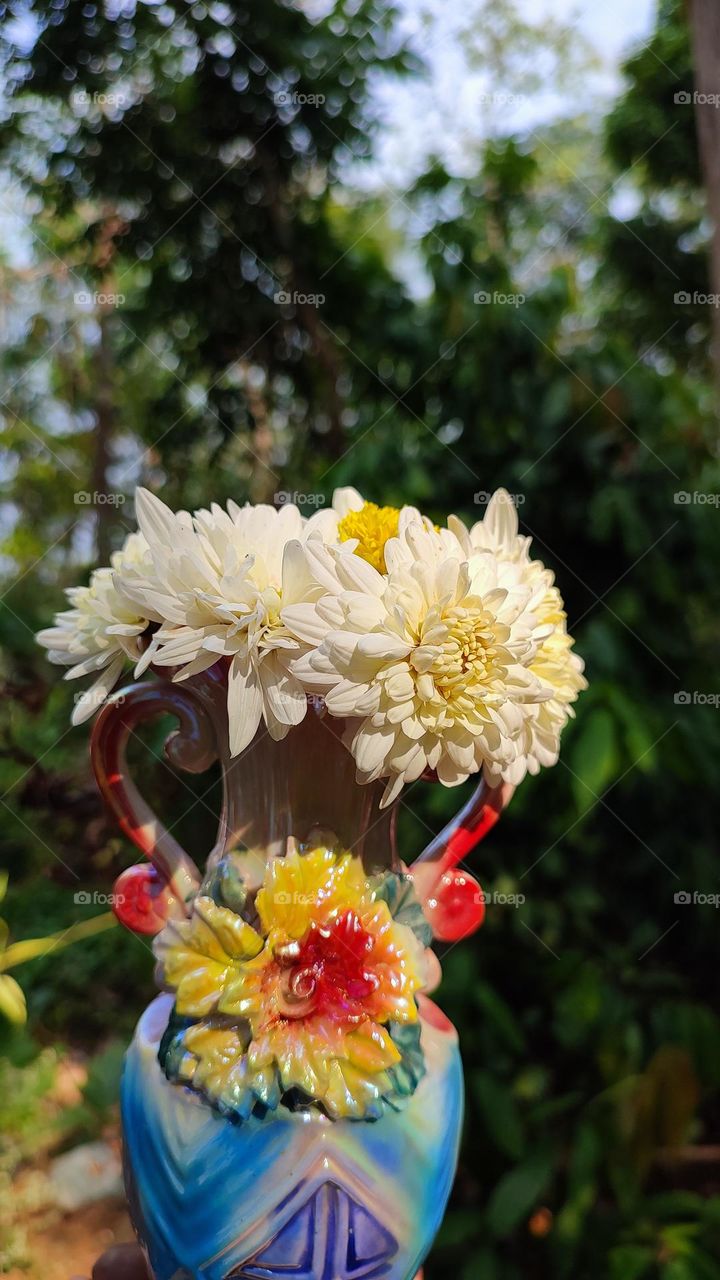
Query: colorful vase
x=293, y=1105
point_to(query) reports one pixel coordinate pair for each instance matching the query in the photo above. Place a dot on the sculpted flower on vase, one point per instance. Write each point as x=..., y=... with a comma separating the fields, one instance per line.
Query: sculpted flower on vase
x=308, y=1000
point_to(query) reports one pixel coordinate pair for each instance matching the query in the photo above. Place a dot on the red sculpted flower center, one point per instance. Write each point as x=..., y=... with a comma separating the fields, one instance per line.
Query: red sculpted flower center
x=328, y=972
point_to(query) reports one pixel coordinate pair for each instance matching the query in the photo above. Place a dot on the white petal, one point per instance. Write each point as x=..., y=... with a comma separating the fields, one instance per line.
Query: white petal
x=282, y=692
x=370, y=748
x=305, y=623
x=347, y=499
x=92, y=699
x=244, y=704
x=501, y=519
x=383, y=646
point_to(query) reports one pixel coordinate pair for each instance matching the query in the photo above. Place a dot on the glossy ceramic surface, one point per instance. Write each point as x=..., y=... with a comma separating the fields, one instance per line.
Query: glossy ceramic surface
x=293, y=1194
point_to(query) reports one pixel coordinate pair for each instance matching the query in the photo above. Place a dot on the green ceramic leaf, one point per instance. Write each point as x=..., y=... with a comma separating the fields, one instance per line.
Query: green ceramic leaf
x=399, y=893
x=406, y=1076
x=226, y=886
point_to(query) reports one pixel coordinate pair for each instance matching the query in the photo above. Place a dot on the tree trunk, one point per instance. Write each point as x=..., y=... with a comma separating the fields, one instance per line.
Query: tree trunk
x=705, y=23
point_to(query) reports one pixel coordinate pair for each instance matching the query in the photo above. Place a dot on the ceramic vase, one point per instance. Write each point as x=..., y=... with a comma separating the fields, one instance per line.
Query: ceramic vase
x=291, y=1190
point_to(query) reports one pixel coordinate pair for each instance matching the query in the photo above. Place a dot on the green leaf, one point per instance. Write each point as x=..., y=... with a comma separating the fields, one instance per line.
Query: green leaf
x=594, y=760
x=499, y=1112
x=12, y=999
x=517, y=1193
x=499, y=1015
x=630, y=1262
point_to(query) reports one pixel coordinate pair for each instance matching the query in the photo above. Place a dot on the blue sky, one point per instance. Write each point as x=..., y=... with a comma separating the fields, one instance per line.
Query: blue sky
x=461, y=102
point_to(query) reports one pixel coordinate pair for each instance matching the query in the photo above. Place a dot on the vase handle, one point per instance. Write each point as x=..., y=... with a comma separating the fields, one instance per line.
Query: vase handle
x=451, y=898
x=144, y=896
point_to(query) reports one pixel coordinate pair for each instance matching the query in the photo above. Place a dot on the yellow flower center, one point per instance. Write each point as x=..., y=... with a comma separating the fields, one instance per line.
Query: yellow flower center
x=372, y=526
x=466, y=656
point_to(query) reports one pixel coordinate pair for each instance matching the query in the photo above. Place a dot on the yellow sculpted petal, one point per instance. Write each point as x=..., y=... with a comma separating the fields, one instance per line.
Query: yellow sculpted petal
x=304, y=888
x=197, y=954
x=234, y=935
x=350, y=1093
x=217, y=1064
x=370, y=1048
x=243, y=995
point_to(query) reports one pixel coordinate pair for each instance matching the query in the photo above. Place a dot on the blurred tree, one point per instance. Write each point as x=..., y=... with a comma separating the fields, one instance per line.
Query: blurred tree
x=186, y=152
x=705, y=23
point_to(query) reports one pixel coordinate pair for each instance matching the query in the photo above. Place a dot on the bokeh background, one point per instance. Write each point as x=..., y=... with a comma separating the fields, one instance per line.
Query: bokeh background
x=253, y=249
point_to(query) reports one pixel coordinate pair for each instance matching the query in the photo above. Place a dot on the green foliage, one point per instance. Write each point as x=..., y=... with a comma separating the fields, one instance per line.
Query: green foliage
x=587, y=1011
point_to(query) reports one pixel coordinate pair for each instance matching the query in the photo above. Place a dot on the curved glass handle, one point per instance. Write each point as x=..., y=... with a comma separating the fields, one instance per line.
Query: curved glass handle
x=145, y=895
x=451, y=898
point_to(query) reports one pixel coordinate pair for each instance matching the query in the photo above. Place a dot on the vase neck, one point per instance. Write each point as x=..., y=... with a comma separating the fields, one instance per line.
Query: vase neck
x=298, y=788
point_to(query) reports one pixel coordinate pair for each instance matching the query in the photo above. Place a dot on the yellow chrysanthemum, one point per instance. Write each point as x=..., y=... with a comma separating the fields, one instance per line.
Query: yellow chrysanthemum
x=372, y=526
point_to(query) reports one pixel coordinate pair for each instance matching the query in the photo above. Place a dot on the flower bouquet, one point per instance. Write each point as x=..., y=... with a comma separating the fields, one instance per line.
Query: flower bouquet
x=292, y=1104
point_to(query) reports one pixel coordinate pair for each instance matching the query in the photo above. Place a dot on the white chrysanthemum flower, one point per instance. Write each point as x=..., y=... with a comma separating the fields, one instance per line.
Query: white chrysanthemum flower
x=219, y=586
x=433, y=659
x=100, y=632
x=555, y=665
